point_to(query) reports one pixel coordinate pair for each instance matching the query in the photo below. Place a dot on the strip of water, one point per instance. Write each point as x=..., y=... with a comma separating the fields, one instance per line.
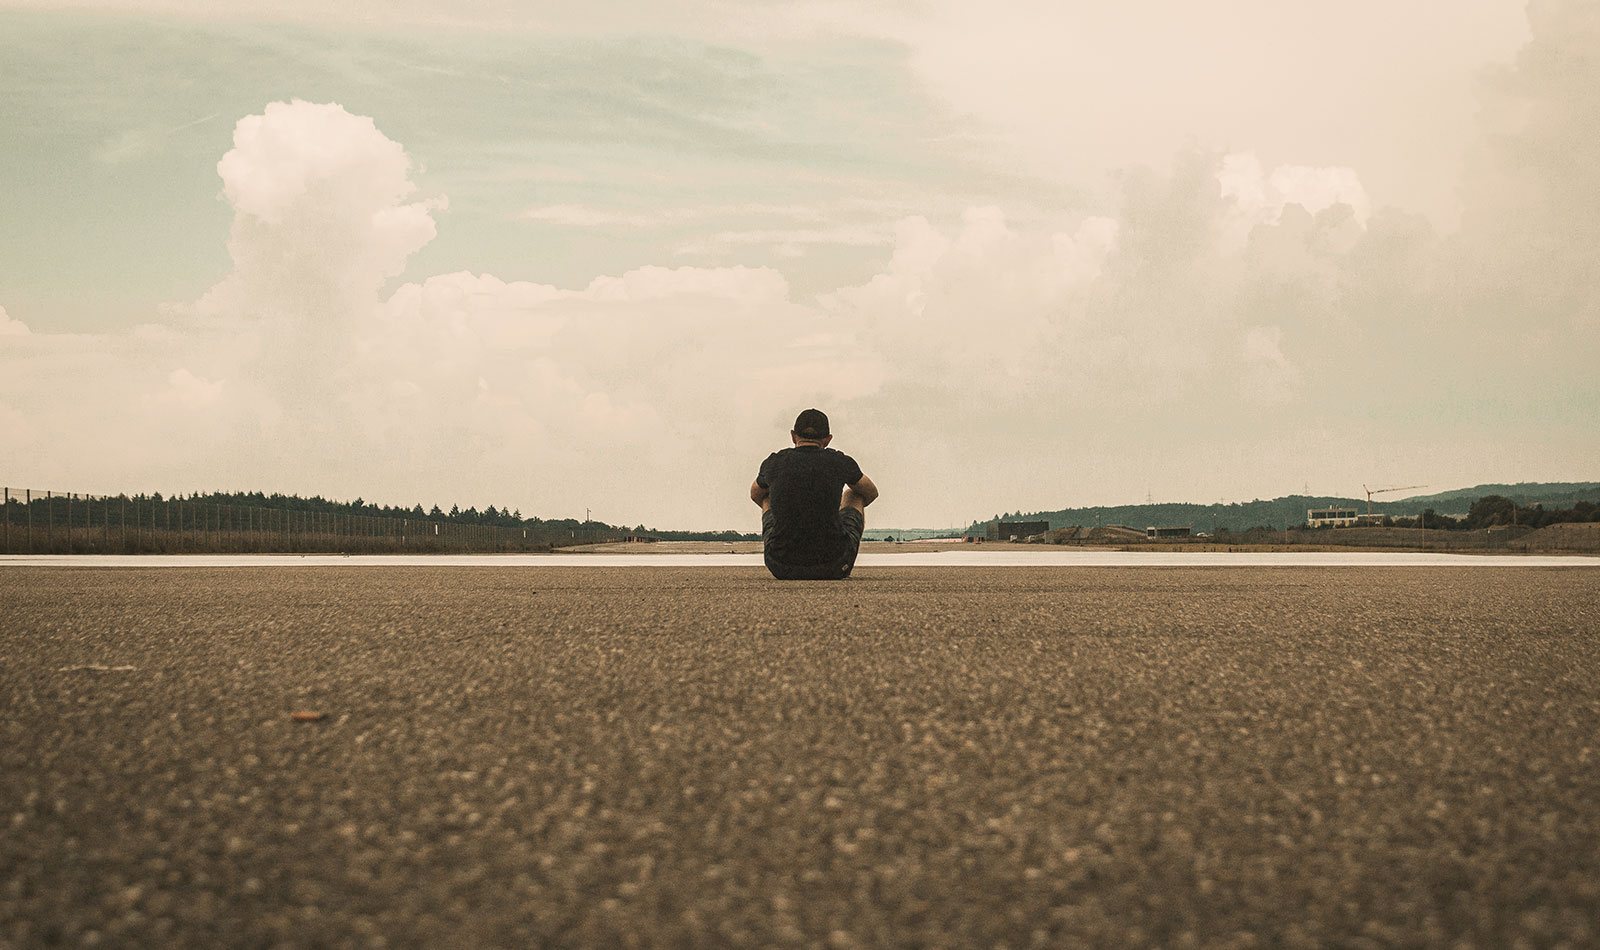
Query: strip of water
x=1073, y=558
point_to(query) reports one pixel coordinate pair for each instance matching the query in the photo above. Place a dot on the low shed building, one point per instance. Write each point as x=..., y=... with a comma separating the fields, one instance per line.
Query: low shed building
x=1015, y=530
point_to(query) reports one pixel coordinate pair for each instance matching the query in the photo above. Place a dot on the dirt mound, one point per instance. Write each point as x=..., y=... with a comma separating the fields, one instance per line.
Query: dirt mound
x=1580, y=536
x=1098, y=534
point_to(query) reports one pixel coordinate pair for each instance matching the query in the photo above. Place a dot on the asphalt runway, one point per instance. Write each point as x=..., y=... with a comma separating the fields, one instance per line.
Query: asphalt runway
x=705, y=757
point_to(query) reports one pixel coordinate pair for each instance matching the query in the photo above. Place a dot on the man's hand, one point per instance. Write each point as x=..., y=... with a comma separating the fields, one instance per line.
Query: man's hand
x=760, y=495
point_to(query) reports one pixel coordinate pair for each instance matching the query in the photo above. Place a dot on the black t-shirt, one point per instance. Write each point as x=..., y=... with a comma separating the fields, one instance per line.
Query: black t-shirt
x=806, y=482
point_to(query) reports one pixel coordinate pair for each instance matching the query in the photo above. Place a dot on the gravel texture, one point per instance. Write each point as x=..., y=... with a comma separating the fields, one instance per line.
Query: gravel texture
x=705, y=757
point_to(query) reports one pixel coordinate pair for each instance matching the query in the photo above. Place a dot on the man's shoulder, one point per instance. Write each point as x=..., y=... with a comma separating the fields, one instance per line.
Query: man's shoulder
x=828, y=456
x=840, y=456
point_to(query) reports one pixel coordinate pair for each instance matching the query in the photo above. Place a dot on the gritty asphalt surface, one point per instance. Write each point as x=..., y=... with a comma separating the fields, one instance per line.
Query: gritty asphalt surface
x=704, y=757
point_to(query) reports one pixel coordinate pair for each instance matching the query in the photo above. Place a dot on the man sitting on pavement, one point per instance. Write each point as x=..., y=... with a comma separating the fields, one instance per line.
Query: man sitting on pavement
x=813, y=505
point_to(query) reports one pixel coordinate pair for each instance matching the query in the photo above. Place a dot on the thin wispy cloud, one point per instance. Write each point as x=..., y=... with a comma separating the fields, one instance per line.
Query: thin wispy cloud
x=134, y=144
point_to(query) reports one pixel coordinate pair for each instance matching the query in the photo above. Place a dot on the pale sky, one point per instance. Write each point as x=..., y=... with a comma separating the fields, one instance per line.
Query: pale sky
x=1027, y=255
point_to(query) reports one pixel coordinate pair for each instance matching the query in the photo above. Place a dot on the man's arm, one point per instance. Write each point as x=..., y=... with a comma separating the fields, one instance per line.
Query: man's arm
x=760, y=495
x=863, y=490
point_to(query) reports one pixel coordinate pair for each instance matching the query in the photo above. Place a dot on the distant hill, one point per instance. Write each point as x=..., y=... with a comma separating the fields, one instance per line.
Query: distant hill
x=1523, y=493
x=1290, y=510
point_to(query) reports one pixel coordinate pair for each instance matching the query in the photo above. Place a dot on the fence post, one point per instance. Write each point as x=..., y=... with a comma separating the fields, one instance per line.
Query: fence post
x=8, y=520
x=50, y=521
x=28, y=493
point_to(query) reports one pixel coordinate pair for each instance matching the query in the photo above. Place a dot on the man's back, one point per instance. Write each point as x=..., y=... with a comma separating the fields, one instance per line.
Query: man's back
x=813, y=505
x=805, y=483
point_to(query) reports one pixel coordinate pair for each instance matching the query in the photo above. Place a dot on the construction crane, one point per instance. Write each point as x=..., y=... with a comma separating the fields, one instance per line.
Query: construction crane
x=1379, y=491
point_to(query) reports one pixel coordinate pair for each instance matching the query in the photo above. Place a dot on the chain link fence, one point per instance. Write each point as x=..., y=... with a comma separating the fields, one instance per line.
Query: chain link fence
x=53, y=522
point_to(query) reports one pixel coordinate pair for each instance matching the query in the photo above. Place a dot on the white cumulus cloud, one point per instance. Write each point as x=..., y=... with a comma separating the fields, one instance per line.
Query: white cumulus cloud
x=321, y=217
x=10, y=326
x=1241, y=324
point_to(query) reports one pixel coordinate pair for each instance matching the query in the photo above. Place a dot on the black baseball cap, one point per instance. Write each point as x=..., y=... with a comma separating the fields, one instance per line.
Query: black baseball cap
x=811, y=424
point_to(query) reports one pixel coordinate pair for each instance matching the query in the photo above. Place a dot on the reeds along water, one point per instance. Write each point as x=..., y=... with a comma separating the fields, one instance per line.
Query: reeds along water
x=53, y=522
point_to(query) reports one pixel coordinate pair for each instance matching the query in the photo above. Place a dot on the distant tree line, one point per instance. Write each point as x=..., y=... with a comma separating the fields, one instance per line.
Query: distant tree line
x=491, y=516
x=642, y=531
x=1495, y=511
x=1289, y=511
x=258, y=522
x=497, y=517
x=1490, y=511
